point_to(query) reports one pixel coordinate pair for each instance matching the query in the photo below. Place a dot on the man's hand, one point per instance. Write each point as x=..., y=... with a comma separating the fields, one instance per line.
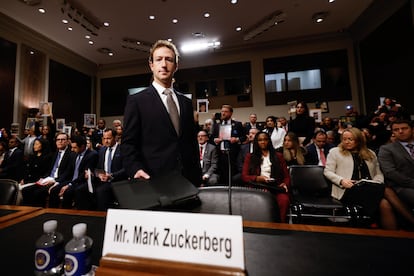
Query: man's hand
x=141, y=174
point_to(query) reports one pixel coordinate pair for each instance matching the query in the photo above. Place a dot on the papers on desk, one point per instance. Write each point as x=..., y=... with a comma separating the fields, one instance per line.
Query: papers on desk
x=366, y=181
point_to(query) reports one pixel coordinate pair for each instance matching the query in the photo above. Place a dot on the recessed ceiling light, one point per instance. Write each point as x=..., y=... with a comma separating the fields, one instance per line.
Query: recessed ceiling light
x=151, y=17
x=170, y=39
x=70, y=29
x=175, y=21
x=238, y=29
x=31, y=52
x=41, y=10
x=65, y=21
x=106, y=24
x=233, y=1
x=90, y=42
x=207, y=15
x=319, y=17
x=110, y=54
x=87, y=36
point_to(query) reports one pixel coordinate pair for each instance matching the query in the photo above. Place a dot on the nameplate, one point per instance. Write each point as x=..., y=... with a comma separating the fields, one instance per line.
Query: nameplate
x=184, y=237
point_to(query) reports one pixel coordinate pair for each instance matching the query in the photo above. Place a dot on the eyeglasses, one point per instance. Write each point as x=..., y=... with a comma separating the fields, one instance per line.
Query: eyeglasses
x=61, y=139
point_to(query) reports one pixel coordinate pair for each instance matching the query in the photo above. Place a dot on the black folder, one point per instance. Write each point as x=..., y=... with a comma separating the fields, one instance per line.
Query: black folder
x=167, y=190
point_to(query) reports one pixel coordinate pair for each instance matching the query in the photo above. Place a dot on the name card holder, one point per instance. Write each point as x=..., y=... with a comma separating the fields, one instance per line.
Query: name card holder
x=113, y=264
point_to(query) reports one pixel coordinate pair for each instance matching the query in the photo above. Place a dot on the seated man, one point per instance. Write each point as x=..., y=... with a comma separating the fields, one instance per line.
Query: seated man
x=318, y=150
x=108, y=170
x=65, y=191
x=397, y=161
x=208, y=159
x=12, y=166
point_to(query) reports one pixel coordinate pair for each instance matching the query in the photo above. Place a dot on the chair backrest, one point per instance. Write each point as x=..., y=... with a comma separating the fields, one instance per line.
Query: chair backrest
x=252, y=204
x=9, y=190
x=309, y=179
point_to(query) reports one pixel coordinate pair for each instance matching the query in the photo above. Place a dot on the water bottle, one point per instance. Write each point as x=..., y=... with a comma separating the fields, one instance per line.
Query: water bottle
x=78, y=257
x=49, y=250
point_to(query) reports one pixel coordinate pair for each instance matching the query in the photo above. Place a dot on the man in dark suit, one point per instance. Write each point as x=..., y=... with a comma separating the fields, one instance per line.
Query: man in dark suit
x=252, y=123
x=109, y=169
x=397, y=161
x=65, y=191
x=12, y=166
x=228, y=136
x=318, y=150
x=61, y=171
x=156, y=139
x=208, y=160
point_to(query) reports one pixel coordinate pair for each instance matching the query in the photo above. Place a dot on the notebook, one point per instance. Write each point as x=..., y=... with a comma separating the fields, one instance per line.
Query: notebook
x=168, y=190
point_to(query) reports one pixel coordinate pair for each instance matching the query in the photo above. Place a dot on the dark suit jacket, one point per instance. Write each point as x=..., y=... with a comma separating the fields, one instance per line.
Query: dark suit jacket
x=13, y=166
x=150, y=142
x=66, y=166
x=397, y=165
x=244, y=150
x=118, y=171
x=311, y=158
x=210, y=160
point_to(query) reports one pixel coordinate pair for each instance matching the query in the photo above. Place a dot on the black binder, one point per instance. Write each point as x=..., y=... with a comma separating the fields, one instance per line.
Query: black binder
x=165, y=191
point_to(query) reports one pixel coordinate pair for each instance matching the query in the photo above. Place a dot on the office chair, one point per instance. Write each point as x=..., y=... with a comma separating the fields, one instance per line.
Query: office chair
x=9, y=190
x=311, y=197
x=252, y=204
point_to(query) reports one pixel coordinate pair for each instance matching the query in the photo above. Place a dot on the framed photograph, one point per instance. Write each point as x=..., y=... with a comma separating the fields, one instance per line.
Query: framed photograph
x=292, y=106
x=30, y=122
x=60, y=123
x=323, y=106
x=15, y=128
x=45, y=108
x=202, y=105
x=89, y=120
x=316, y=114
x=67, y=130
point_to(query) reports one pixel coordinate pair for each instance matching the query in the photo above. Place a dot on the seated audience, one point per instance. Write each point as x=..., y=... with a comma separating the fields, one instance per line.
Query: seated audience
x=352, y=161
x=109, y=169
x=208, y=160
x=12, y=166
x=264, y=165
x=39, y=163
x=292, y=151
x=244, y=150
x=318, y=150
x=397, y=161
x=276, y=134
x=64, y=192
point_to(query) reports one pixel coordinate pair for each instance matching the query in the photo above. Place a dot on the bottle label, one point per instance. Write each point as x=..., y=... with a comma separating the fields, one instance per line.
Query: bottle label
x=79, y=263
x=48, y=258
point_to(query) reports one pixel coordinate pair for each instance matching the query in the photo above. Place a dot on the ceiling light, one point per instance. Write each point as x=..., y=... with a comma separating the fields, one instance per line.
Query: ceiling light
x=275, y=18
x=319, y=17
x=175, y=21
x=90, y=42
x=106, y=24
x=151, y=17
x=41, y=10
x=206, y=15
x=81, y=17
x=233, y=1
x=238, y=29
x=70, y=29
x=105, y=51
x=64, y=21
x=87, y=36
x=199, y=45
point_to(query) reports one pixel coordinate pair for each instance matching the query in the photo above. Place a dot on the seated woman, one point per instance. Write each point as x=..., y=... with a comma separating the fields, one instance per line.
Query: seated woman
x=264, y=165
x=352, y=161
x=293, y=152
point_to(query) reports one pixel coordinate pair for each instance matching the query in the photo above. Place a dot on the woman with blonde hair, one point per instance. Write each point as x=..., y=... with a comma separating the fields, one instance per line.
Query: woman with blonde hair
x=351, y=163
x=293, y=152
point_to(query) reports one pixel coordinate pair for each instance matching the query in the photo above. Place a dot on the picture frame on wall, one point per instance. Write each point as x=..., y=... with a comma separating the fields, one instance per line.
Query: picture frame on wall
x=67, y=130
x=202, y=105
x=45, y=108
x=89, y=120
x=15, y=129
x=323, y=106
x=316, y=113
x=60, y=123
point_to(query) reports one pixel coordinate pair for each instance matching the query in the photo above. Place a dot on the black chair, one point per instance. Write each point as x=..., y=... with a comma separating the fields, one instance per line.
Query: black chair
x=9, y=190
x=311, y=197
x=252, y=204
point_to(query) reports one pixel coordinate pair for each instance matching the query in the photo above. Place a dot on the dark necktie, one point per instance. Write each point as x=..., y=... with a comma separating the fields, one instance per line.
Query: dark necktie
x=109, y=161
x=411, y=147
x=76, y=173
x=201, y=152
x=322, y=157
x=172, y=110
x=56, y=165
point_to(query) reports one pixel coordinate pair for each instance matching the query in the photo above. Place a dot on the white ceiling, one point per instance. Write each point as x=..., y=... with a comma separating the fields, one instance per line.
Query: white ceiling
x=129, y=19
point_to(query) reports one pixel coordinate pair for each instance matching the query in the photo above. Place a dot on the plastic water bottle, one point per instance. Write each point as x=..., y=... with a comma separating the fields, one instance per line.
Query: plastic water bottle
x=49, y=250
x=78, y=252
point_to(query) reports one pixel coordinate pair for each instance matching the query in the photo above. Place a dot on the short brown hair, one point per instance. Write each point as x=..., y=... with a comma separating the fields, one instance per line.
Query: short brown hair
x=163, y=43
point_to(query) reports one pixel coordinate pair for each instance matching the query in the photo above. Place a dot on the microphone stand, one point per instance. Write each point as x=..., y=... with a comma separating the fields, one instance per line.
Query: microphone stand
x=227, y=152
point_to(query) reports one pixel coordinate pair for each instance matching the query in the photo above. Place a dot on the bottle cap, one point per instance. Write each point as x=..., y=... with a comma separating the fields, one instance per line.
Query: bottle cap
x=79, y=230
x=50, y=226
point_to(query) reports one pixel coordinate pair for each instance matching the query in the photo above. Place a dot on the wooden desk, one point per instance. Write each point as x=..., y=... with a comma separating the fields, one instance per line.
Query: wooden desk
x=270, y=248
x=10, y=212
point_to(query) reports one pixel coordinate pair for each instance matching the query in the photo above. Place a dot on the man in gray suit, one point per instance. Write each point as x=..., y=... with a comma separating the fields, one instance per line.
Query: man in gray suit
x=397, y=161
x=208, y=160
